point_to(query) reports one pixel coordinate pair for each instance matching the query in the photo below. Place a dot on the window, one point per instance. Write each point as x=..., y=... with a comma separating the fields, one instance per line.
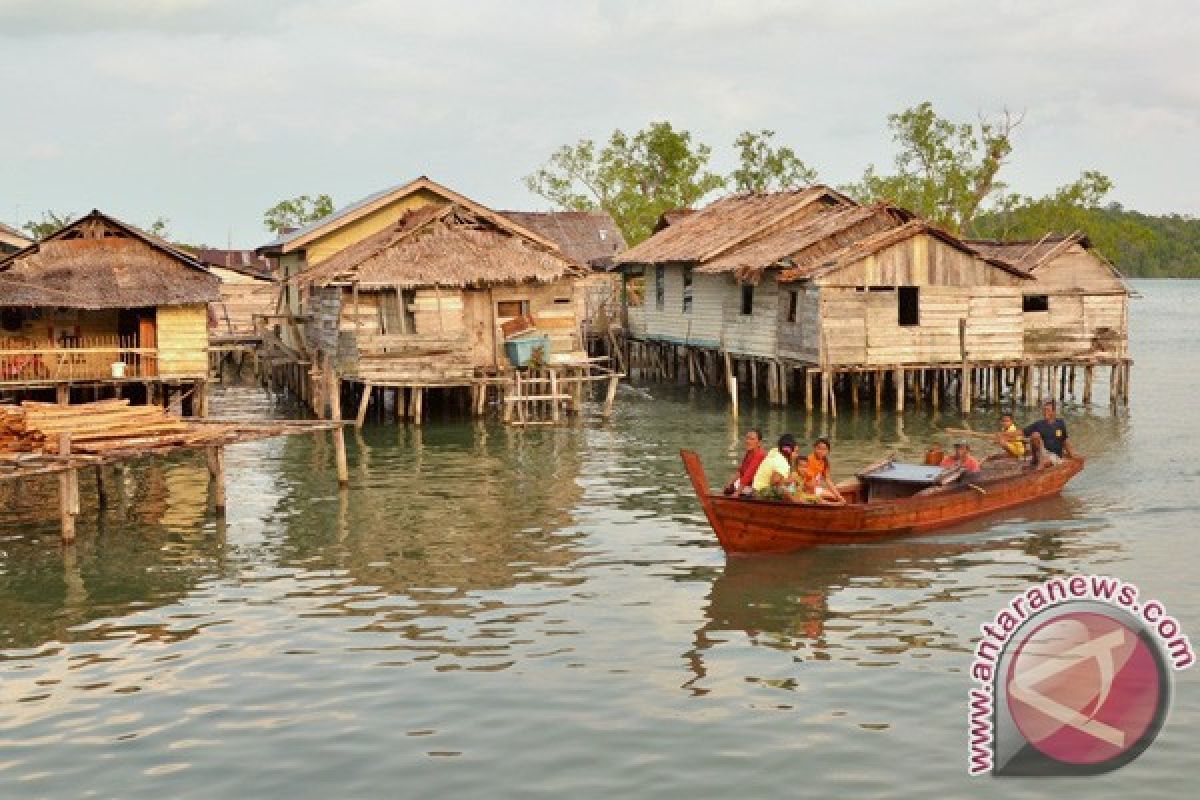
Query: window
x=747, y=300
x=562, y=301
x=793, y=302
x=1035, y=302
x=687, y=290
x=395, y=311
x=908, y=304
x=660, y=288
x=512, y=308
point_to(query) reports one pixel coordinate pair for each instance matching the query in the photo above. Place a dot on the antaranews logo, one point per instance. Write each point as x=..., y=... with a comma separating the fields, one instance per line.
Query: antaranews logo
x=1073, y=677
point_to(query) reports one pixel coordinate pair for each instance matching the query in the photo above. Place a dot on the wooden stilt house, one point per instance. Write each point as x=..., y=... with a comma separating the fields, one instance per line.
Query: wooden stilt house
x=811, y=281
x=426, y=301
x=100, y=303
x=248, y=290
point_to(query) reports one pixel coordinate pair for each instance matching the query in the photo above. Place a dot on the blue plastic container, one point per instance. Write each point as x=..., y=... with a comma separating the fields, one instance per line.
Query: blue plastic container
x=520, y=351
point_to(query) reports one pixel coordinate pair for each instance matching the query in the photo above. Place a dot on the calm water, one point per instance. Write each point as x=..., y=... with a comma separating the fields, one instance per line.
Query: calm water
x=494, y=613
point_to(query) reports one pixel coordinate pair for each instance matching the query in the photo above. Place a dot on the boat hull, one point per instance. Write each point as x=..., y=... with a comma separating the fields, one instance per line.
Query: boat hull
x=765, y=526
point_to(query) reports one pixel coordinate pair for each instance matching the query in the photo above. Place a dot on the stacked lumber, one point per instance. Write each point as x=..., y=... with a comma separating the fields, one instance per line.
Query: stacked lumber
x=98, y=427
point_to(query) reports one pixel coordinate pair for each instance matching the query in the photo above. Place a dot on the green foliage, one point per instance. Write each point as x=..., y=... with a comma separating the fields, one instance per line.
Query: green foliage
x=764, y=168
x=160, y=227
x=634, y=178
x=945, y=171
x=297, y=212
x=50, y=222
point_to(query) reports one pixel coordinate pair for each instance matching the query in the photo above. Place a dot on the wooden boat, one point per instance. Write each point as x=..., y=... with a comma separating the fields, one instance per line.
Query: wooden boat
x=873, y=509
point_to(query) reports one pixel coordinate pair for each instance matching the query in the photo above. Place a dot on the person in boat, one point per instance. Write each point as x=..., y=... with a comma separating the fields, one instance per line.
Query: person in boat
x=742, y=483
x=1052, y=430
x=773, y=479
x=1040, y=456
x=814, y=478
x=961, y=459
x=1011, y=437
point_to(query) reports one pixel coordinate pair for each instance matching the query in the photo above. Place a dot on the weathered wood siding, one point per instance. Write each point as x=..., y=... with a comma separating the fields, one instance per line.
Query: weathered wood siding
x=242, y=296
x=751, y=334
x=554, y=309
x=1078, y=325
x=183, y=341
x=1087, y=312
x=798, y=339
x=859, y=326
x=702, y=325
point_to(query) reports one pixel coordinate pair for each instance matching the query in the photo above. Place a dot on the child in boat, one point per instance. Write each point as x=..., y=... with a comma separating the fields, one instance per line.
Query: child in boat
x=742, y=482
x=814, y=477
x=773, y=479
x=1011, y=437
x=962, y=458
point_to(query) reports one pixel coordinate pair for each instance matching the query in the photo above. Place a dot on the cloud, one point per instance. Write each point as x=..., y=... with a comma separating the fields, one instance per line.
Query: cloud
x=246, y=102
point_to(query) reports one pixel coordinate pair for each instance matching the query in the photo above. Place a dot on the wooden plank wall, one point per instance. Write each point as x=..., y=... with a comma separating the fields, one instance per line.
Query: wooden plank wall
x=239, y=303
x=702, y=326
x=1078, y=325
x=183, y=340
x=754, y=334
x=799, y=339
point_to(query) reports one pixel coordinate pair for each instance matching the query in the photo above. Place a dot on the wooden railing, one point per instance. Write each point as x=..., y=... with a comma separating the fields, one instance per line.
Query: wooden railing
x=22, y=360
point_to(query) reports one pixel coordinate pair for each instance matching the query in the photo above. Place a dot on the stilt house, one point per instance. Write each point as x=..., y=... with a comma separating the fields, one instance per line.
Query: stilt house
x=101, y=303
x=426, y=301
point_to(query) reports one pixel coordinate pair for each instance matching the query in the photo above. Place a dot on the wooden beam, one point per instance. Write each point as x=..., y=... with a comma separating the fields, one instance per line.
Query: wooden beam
x=334, y=384
x=362, y=405
x=68, y=491
x=215, y=456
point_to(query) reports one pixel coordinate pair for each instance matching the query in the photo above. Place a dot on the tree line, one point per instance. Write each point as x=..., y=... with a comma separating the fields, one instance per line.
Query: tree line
x=949, y=172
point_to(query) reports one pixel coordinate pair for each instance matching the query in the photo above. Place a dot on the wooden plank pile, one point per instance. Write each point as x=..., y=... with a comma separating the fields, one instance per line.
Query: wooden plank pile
x=97, y=427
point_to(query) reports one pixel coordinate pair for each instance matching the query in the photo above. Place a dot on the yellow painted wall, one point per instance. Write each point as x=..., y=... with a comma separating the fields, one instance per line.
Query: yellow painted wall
x=339, y=239
x=183, y=341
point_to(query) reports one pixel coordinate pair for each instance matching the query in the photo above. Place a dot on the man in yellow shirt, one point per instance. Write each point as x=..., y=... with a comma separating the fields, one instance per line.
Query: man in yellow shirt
x=1011, y=437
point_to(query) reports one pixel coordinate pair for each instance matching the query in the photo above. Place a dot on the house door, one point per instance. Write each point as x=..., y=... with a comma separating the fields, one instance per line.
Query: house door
x=147, y=338
x=481, y=328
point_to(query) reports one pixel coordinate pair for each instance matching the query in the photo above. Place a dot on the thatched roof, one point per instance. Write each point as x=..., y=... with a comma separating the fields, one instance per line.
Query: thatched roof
x=730, y=222
x=443, y=245
x=301, y=237
x=1031, y=254
x=821, y=261
x=830, y=230
x=100, y=262
x=12, y=237
x=669, y=218
x=588, y=237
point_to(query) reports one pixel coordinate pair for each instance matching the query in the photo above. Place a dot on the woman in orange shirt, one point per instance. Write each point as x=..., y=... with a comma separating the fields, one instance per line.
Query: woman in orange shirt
x=815, y=476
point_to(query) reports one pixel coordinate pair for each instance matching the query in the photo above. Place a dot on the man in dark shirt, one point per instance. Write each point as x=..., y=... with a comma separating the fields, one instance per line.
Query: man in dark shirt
x=1052, y=430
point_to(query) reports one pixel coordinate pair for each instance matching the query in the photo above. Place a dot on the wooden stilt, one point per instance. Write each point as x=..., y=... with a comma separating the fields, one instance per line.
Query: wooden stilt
x=363, y=403
x=831, y=388
x=808, y=390
x=877, y=377
x=62, y=394
x=854, y=378
x=1126, y=372
x=418, y=404
x=334, y=384
x=898, y=379
x=825, y=391
x=1087, y=384
x=753, y=379
x=610, y=397
x=731, y=384
x=216, y=471
x=68, y=492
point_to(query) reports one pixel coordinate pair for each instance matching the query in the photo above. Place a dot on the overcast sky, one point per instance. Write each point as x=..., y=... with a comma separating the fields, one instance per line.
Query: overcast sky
x=207, y=112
